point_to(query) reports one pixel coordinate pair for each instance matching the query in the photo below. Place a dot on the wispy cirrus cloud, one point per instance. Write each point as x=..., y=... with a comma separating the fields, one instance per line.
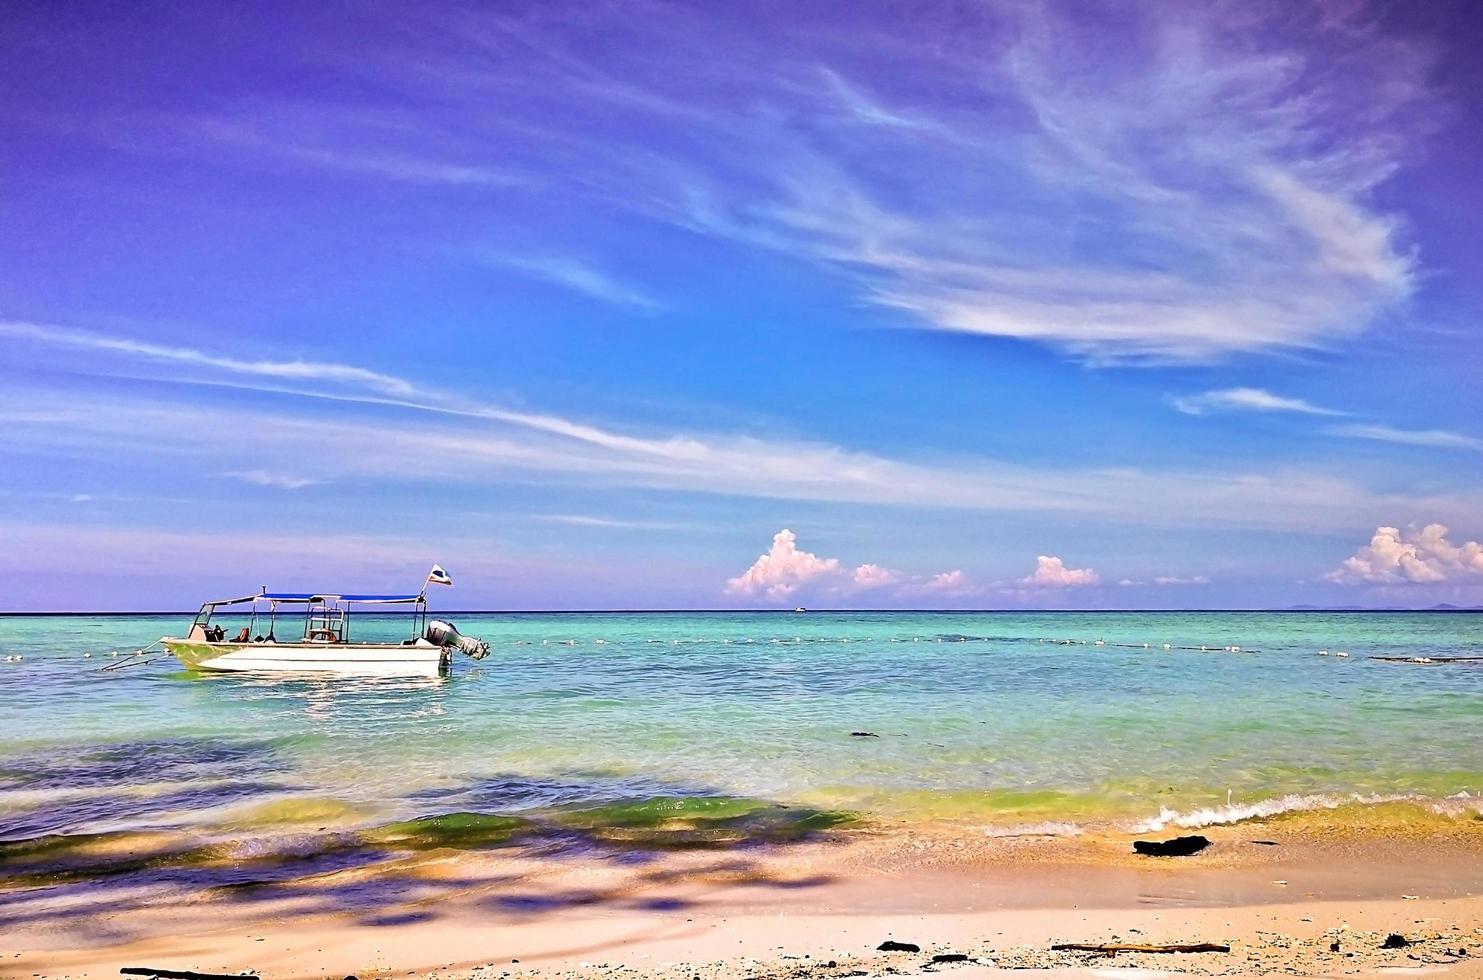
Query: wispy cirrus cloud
x=1429, y=438
x=1261, y=400
x=447, y=437
x=143, y=350
x=860, y=106
x=600, y=521
x=269, y=478
x=1217, y=176
x=373, y=143
x=1246, y=400
x=579, y=277
x=1209, y=188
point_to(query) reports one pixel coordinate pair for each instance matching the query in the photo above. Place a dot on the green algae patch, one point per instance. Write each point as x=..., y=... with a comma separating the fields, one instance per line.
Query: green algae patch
x=698, y=822
x=293, y=811
x=1391, y=819
x=464, y=831
x=1002, y=807
x=78, y=857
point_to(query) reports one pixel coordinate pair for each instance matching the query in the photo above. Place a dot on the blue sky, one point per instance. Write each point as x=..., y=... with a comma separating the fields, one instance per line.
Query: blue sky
x=1013, y=304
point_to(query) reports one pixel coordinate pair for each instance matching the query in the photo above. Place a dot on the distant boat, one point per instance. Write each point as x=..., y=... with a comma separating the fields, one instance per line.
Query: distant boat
x=799, y=609
x=325, y=644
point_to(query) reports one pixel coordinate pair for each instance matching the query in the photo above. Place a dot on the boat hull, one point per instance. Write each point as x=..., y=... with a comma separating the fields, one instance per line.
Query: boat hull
x=391, y=659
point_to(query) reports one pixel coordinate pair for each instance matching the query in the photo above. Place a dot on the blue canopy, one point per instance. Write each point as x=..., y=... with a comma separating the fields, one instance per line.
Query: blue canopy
x=316, y=597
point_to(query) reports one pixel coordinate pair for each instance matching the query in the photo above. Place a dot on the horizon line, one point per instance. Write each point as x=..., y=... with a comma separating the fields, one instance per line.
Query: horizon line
x=1440, y=608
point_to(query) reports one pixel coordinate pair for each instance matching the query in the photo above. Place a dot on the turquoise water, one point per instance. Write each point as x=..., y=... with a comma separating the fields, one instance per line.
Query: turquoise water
x=977, y=717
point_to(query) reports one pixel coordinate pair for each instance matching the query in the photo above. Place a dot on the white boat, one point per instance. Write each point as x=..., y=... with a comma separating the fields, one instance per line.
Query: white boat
x=325, y=643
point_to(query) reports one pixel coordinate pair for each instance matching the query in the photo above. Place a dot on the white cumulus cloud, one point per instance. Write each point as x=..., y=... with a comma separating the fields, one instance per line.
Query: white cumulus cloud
x=1052, y=573
x=1426, y=556
x=954, y=584
x=946, y=581
x=873, y=576
x=782, y=569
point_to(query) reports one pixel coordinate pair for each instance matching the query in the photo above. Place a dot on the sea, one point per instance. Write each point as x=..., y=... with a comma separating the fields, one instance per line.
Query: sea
x=993, y=722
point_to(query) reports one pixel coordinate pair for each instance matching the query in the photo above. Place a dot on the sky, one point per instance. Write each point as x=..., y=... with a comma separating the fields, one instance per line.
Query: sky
x=646, y=305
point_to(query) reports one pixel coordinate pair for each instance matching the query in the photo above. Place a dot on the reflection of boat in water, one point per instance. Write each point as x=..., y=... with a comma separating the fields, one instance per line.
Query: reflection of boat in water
x=325, y=643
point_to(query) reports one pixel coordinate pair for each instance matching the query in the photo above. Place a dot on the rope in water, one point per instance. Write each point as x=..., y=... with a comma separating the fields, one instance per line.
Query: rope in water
x=951, y=638
x=133, y=661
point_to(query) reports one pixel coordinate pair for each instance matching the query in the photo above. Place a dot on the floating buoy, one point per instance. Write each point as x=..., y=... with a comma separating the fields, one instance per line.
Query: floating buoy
x=1101, y=643
x=1145, y=646
x=87, y=653
x=1166, y=646
x=1323, y=653
x=1341, y=653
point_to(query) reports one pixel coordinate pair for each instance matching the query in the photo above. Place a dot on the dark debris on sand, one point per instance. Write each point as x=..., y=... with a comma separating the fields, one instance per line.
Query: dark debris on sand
x=1334, y=952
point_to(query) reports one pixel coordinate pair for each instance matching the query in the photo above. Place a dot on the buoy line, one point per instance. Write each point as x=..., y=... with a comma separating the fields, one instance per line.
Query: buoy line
x=941, y=638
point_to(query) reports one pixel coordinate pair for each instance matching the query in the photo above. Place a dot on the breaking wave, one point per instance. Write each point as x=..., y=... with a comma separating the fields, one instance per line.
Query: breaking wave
x=1046, y=828
x=1293, y=803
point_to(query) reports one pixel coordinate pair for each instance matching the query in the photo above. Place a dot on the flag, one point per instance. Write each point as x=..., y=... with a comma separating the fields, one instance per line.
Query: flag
x=439, y=577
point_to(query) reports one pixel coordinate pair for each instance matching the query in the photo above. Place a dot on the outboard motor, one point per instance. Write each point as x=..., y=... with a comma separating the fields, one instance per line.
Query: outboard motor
x=446, y=635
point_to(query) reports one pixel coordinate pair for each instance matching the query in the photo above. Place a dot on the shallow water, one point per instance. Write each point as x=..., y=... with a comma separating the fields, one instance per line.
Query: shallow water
x=981, y=718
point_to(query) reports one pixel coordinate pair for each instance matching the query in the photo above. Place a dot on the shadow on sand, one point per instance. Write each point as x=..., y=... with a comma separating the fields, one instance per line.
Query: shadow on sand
x=398, y=873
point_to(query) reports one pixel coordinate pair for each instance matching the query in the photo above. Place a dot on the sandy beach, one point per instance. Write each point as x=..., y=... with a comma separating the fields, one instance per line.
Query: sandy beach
x=1287, y=896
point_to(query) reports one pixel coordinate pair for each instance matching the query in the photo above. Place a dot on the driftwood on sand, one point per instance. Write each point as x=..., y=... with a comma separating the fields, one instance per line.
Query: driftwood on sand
x=149, y=971
x=1111, y=948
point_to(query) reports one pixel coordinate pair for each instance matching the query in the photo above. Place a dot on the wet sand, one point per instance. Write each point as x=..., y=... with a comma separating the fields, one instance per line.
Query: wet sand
x=1280, y=893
